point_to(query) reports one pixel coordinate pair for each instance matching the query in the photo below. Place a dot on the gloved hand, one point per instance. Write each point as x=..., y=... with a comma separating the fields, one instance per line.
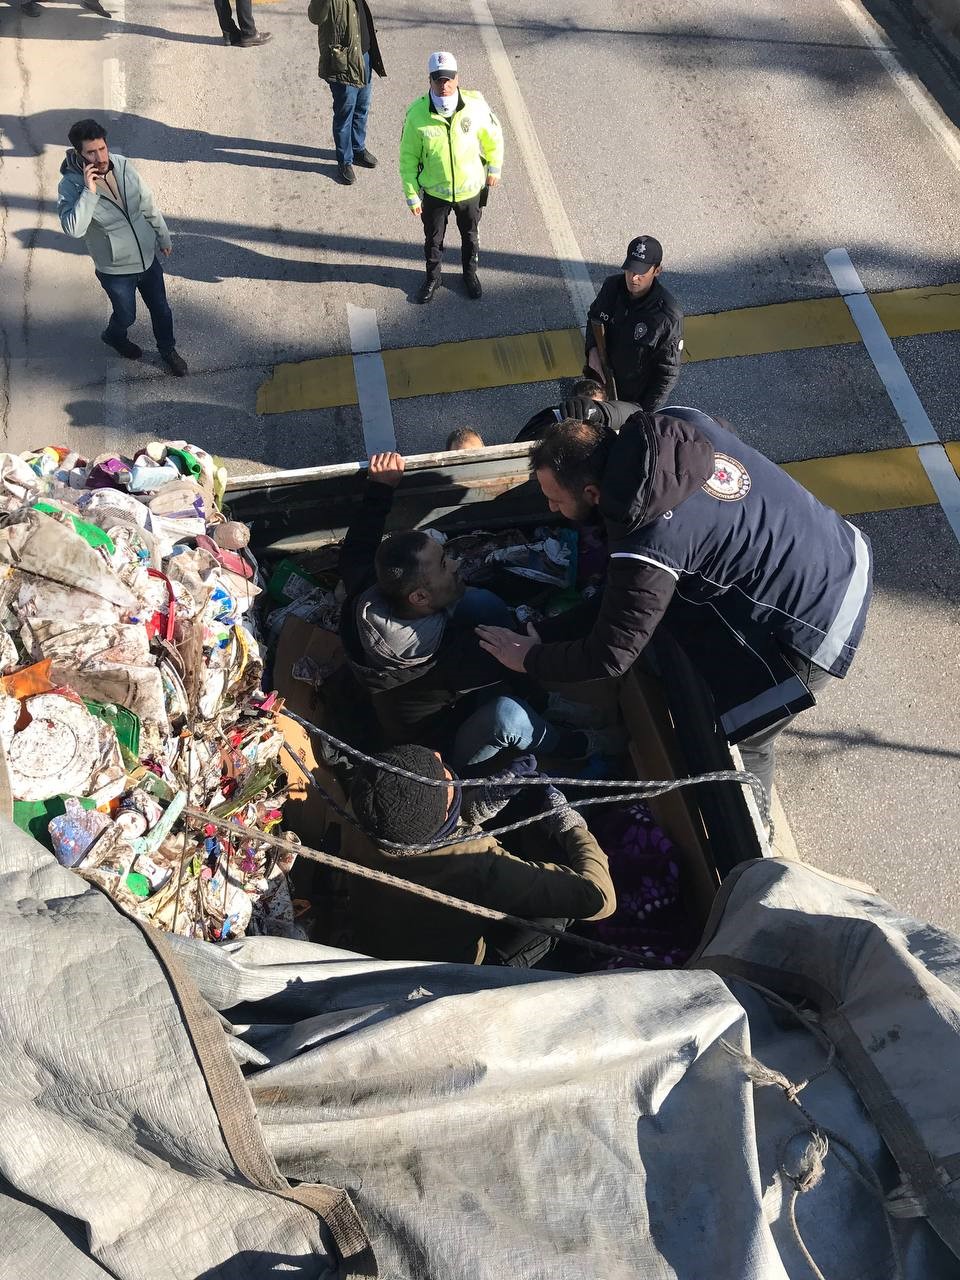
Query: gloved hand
x=582, y=409
x=564, y=817
x=486, y=802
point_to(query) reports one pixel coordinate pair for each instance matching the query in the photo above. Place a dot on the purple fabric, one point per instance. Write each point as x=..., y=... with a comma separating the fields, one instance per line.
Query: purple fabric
x=650, y=916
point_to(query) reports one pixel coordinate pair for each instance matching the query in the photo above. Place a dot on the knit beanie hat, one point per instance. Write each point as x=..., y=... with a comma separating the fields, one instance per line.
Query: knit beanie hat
x=397, y=809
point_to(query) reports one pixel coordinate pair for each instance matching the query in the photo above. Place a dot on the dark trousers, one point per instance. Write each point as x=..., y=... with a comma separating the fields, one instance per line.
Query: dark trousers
x=758, y=751
x=434, y=215
x=351, y=105
x=244, y=25
x=510, y=944
x=122, y=292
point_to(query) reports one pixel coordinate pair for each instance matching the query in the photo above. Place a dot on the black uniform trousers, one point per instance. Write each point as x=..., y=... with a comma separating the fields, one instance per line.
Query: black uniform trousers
x=244, y=27
x=434, y=214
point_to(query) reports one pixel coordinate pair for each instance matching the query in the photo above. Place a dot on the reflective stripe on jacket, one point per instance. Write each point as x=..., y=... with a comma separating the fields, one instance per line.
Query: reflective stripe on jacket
x=449, y=159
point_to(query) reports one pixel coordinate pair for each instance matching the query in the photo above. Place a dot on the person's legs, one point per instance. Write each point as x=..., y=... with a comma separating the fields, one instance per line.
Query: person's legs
x=344, y=105
x=759, y=750
x=499, y=725
x=248, y=28
x=225, y=18
x=361, y=110
x=481, y=608
x=468, y=221
x=434, y=215
x=122, y=292
x=511, y=944
x=154, y=293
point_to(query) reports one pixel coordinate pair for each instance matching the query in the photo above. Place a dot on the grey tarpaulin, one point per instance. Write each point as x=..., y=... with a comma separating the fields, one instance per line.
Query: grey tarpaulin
x=485, y=1122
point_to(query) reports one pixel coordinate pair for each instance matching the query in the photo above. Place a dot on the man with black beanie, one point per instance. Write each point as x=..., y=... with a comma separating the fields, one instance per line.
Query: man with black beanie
x=469, y=864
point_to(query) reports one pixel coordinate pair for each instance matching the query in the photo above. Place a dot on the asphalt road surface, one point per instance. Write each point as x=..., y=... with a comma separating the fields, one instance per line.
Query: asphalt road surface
x=751, y=138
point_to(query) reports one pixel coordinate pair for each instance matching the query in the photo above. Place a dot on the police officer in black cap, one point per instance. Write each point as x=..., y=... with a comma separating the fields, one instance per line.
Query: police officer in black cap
x=643, y=330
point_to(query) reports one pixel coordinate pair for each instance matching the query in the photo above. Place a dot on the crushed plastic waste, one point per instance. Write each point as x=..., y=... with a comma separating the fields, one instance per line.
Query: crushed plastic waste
x=130, y=685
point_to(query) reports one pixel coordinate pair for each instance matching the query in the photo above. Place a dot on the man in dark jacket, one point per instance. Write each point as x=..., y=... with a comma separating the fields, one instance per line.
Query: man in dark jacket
x=349, y=53
x=643, y=326
x=472, y=865
x=767, y=588
x=586, y=401
x=407, y=627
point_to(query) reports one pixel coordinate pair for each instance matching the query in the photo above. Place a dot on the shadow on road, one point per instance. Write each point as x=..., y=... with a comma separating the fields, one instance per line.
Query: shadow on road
x=77, y=23
x=154, y=140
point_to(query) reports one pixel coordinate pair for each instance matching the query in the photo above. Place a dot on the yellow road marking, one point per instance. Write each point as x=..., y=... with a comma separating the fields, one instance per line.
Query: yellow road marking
x=906, y=312
x=852, y=483
x=483, y=362
x=328, y=381
x=757, y=331
x=309, y=384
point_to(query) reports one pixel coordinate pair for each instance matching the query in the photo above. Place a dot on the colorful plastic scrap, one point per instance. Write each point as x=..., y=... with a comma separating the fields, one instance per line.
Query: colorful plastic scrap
x=130, y=668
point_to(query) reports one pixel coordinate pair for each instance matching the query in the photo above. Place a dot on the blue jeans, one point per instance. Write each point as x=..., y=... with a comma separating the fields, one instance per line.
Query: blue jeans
x=122, y=292
x=479, y=607
x=500, y=724
x=351, y=103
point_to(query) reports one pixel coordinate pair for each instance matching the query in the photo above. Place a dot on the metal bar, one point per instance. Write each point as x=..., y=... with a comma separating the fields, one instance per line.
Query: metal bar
x=454, y=461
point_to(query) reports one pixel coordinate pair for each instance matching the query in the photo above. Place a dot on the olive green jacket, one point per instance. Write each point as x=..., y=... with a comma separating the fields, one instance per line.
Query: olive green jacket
x=395, y=925
x=338, y=37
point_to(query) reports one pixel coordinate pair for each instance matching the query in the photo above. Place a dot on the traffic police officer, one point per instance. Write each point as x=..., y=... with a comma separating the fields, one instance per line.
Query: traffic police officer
x=451, y=151
x=643, y=326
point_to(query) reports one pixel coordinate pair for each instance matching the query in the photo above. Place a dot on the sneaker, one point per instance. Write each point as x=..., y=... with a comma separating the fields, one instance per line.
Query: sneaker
x=428, y=289
x=472, y=281
x=175, y=363
x=251, y=42
x=575, y=715
x=347, y=175
x=365, y=159
x=122, y=346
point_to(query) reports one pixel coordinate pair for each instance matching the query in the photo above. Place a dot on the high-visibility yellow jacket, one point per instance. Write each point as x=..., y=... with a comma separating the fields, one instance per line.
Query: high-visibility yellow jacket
x=449, y=159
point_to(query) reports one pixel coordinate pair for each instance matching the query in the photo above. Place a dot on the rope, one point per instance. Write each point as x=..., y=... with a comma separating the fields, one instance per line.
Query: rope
x=629, y=788
x=811, y=1166
x=637, y=959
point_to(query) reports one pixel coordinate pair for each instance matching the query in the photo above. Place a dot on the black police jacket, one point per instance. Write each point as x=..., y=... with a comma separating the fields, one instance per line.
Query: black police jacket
x=644, y=340
x=754, y=563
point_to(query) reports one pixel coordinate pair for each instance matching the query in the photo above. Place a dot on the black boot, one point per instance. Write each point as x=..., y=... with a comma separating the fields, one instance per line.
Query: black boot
x=175, y=363
x=429, y=288
x=122, y=346
x=471, y=260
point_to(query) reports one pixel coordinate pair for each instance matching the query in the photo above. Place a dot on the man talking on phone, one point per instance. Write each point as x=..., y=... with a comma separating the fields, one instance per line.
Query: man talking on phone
x=104, y=201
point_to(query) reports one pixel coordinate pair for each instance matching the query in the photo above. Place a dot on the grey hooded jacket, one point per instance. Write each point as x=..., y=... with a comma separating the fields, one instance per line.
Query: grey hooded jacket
x=121, y=241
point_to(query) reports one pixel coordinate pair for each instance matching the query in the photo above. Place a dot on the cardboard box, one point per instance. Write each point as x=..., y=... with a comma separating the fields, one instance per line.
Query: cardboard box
x=306, y=812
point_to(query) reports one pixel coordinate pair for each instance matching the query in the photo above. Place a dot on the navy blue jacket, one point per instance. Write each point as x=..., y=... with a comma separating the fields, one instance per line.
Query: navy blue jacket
x=749, y=563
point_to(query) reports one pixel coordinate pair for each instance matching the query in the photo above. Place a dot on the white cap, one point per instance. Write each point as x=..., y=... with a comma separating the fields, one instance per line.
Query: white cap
x=442, y=62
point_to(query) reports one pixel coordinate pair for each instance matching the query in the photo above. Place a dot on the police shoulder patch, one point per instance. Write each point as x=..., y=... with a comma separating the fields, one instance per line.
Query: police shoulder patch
x=730, y=480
